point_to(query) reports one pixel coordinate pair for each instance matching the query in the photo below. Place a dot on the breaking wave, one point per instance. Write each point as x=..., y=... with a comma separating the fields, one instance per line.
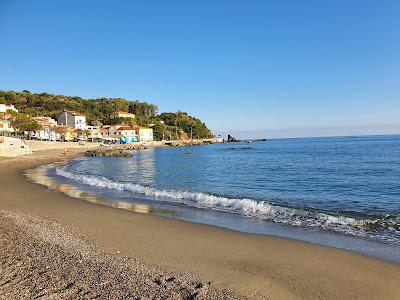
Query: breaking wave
x=383, y=228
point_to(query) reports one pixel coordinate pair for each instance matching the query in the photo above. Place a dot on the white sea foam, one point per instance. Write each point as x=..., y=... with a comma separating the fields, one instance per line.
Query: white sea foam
x=198, y=199
x=243, y=206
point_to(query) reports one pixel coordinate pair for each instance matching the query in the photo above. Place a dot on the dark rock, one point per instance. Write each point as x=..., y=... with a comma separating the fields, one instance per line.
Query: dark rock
x=108, y=153
x=231, y=139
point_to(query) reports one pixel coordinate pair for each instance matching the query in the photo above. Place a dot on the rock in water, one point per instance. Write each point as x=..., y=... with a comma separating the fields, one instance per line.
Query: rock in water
x=109, y=153
x=231, y=139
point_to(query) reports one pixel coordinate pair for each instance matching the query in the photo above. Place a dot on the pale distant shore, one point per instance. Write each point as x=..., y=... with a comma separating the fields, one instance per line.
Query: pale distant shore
x=67, y=237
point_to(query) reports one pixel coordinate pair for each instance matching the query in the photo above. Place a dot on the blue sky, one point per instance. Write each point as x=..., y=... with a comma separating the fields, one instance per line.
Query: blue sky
x=254, y=68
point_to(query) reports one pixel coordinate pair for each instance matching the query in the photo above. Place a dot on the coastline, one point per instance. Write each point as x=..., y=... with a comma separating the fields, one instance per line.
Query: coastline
x=248, y=264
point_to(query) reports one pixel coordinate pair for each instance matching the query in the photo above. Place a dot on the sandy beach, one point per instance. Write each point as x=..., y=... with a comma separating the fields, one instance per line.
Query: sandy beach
x=53, y=245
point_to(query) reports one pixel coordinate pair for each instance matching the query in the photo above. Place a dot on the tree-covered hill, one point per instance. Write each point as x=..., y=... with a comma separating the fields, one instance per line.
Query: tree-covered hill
x=186, y=123
x=172, y=125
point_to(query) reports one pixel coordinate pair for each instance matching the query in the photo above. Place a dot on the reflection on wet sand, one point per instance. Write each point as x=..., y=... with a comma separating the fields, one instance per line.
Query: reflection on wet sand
x=39, y=175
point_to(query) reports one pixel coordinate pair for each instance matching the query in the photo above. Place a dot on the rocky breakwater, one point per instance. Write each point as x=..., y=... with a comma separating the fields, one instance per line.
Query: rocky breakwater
x=108, y=153
x=183, y=143
x=125, y=150
x=133, y=146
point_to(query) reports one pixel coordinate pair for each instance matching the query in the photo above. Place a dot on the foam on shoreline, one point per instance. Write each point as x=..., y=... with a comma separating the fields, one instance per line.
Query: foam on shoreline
x=383, y=229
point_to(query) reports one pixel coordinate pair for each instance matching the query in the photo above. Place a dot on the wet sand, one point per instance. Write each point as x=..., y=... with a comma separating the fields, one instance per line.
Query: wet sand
x=254, y=266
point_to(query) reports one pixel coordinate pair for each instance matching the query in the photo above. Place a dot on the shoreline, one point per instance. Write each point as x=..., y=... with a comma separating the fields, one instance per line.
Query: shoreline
x=355, y=244
x=248, y=264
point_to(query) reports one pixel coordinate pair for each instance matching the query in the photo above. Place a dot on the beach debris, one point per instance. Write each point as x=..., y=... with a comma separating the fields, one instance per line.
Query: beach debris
x=157, y=280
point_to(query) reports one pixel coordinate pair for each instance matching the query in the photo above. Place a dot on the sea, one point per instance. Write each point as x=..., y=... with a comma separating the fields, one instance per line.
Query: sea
x=336, y=191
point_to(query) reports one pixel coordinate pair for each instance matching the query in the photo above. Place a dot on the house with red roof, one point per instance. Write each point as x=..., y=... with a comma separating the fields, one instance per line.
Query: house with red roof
x=125, y=134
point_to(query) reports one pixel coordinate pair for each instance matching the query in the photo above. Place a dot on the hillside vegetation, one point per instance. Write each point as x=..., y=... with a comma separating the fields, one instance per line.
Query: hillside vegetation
x=97, y=111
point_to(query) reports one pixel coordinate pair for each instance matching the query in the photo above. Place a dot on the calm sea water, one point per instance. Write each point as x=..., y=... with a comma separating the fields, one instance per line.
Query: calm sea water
x=314, y=189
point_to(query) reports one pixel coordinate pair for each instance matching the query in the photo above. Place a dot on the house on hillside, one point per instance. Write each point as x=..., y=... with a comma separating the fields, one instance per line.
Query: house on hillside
x=45, y=121
x=5, y=125
x=145, y=134
x=121, y=114
x=4, y=108
x=73, y=119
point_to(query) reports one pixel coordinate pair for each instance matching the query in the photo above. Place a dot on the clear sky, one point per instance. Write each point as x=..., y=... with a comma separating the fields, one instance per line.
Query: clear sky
x=254, y=68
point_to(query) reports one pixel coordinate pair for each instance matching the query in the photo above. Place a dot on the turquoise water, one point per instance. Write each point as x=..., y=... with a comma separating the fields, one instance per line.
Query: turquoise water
x=312, y=189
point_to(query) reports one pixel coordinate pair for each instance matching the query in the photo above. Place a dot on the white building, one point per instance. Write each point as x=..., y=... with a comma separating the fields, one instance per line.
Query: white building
x=93, y=133
x=73, y=119
x=45, y=121
x=5, y=124
x=4, y=108
x=48, y=131
x=145, y=134
x=127, y=134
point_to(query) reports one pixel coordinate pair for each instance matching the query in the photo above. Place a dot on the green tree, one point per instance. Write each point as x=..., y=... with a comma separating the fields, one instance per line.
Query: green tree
x=187, y=124
x=21, y=123
x=121, y=105
x=143, y=109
